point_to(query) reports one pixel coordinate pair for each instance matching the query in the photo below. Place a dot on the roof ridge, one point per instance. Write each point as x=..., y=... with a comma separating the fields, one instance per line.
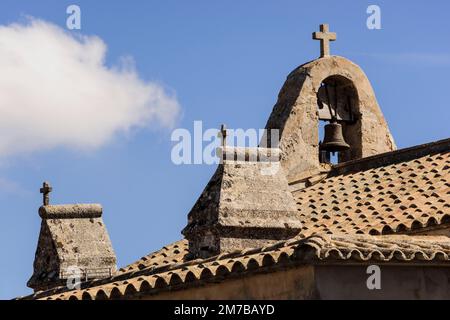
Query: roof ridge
x=391, y=157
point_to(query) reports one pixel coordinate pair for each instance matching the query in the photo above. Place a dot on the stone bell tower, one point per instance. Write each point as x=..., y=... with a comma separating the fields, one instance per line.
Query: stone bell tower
x=329, y=89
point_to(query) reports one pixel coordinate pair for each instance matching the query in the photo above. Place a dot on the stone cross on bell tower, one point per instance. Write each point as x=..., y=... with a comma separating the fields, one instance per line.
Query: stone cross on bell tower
x=325, y=36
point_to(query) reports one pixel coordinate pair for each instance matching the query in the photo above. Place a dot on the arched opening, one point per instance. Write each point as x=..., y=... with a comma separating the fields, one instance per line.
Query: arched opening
x=338, y=110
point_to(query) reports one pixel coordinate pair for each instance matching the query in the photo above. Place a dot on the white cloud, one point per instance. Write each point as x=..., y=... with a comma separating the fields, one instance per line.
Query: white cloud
x=55, y=90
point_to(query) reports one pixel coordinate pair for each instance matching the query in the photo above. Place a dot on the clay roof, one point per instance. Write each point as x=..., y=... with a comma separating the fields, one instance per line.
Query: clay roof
x=316, y=249
x=397, y=192
x=347, y=215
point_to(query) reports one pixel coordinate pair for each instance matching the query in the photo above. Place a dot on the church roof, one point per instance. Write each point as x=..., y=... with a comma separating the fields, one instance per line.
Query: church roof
x=317, y=249
x=348, y=214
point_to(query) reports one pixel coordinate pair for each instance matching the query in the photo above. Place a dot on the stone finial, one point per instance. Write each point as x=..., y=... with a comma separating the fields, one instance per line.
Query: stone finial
x=246, y=204
x=73, y=238
x=325, y=37
x=45, y=190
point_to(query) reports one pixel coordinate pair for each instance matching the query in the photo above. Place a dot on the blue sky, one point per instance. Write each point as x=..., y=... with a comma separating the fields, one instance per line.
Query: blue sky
x=225, y=63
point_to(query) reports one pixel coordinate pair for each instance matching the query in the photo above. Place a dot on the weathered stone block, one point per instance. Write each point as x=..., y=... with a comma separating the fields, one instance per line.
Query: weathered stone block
x=246, y=204
x=72, y=237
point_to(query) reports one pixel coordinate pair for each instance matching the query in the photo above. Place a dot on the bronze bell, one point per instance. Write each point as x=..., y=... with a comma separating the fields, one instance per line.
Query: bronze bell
x=334, y=139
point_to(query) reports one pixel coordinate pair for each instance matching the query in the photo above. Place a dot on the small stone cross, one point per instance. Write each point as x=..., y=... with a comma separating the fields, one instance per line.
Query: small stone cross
x=325, y=37
x=45, y=190
x=223, y=135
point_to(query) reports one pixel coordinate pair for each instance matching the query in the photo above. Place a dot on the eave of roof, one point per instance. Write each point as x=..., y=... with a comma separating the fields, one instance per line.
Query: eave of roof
x=314, y=250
